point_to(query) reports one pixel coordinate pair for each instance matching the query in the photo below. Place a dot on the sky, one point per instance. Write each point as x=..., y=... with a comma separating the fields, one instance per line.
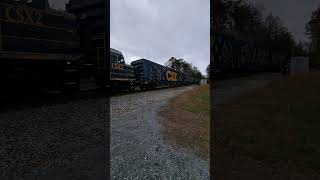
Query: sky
x=160, y=29
x=293, y=13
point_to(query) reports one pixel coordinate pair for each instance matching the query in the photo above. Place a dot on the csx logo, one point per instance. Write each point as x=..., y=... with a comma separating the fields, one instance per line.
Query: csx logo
x=117, y=66
x=23, y=14
x=171, y=76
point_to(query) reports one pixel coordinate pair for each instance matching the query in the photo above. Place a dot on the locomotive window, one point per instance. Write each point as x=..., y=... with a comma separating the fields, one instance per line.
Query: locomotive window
x=120, y=60
x=58, y=5
x=113, y=58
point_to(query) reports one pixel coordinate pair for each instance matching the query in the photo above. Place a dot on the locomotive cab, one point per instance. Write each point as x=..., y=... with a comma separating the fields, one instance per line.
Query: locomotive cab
x=121, y=74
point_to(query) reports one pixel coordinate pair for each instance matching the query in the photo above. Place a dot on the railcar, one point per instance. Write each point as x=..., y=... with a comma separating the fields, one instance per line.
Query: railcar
x=232, y=55
x=152, y=75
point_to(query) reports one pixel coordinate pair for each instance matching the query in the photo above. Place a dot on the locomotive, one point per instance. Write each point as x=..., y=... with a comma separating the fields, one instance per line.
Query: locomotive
x=235, y=55
x=39, y=46
x=49, y=49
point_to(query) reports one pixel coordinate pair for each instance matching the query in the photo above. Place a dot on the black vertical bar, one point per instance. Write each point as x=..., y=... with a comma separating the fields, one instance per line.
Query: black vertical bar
x=107, y=63
x=107, y=38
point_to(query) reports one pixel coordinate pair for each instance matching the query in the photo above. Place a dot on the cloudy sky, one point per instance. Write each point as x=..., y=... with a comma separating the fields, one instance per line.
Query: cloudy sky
x=294, y=13
x=159, y=29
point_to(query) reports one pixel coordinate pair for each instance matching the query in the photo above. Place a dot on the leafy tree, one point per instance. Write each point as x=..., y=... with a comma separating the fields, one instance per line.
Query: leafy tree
x=183, y=66
x=313, y=32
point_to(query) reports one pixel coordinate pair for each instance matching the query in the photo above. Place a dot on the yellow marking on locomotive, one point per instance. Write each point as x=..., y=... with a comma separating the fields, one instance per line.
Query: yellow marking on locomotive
x=171, y=76
x=35, y=22
x=23, y=14
x=117, y=66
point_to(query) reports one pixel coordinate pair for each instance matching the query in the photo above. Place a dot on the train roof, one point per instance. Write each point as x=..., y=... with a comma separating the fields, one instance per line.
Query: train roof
x=142, y=59
x=115, y=51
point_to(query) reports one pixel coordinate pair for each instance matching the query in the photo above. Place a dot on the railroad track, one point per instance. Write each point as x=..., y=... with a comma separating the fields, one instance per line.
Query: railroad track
x=30, y=99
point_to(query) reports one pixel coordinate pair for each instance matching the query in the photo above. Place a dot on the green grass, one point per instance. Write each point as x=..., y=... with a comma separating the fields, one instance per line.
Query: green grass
x=200, y=102
x=186, y=121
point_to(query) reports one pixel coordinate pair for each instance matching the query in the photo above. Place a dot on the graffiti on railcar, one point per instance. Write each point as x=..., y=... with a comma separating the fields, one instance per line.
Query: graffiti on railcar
x=171, y=75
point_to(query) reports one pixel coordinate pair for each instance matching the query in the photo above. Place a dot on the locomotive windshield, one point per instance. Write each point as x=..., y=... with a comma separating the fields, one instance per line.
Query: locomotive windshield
x=57, y=5
x=116, y=56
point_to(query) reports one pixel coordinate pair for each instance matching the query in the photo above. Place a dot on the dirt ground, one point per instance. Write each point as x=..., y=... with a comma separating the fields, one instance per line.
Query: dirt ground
x=252, y=137
x=186, y=121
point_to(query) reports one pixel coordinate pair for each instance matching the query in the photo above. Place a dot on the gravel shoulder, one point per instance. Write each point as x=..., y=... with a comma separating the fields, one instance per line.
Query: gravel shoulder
x=137, y=147
x=54, y=142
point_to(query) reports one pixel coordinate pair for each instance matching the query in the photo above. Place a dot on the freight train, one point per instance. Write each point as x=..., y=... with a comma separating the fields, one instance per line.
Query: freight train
x=234, y=55
x=53, y=49
x=152, y=75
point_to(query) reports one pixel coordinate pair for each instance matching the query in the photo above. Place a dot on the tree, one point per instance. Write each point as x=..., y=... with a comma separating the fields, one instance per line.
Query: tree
x=174, y=63
x=245, y=20
x=183, y=66
x=313, y=32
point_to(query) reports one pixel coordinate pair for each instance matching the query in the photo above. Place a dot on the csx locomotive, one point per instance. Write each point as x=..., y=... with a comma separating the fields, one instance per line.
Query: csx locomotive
x=53, y=49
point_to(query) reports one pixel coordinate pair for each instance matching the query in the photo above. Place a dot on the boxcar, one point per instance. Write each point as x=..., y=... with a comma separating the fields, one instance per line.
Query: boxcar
x=151, y=75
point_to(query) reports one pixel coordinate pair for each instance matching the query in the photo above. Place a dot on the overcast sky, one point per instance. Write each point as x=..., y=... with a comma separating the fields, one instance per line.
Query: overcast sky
x=294, y=13
x=159, y=29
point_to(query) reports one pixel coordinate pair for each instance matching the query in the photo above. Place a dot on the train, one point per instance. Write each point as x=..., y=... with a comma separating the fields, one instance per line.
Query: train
x=50, y=49
x=235, y=55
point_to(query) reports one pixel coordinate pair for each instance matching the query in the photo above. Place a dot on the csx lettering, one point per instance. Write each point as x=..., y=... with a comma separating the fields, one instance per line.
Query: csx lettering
x=171, y=76
x=23, y=14
x=117, y=66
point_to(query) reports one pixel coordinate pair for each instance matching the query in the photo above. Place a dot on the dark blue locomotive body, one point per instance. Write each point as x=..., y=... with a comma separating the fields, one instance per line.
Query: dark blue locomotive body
x=39, y=46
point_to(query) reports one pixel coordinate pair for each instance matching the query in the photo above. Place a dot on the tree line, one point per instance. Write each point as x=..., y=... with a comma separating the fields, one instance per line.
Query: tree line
x=181, y=65
x=313, y=32
x=246, y=20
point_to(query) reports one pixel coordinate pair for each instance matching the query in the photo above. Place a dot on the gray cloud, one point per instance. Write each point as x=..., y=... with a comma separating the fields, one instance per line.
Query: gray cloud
x=294, y=13
x=158, y=30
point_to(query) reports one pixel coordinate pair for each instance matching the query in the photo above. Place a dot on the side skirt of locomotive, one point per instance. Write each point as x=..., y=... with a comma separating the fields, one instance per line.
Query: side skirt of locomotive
x=39, y=71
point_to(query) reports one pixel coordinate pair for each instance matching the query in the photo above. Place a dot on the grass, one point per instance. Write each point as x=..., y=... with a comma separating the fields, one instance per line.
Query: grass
x=278, y=123
x=186, y=121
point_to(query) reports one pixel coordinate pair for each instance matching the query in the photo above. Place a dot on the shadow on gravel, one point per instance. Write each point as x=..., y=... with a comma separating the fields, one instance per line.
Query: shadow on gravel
x=19, y=99
x=15, y=100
